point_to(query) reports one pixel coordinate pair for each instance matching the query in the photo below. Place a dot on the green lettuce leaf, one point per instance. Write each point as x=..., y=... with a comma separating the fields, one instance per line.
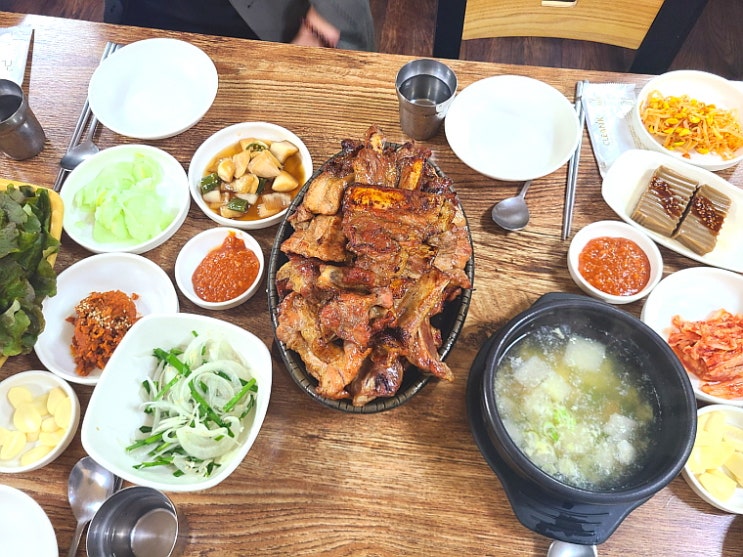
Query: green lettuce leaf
x=26, y=277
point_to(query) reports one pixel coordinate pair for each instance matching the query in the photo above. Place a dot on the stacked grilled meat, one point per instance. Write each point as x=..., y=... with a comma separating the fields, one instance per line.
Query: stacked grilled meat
x=380, y=245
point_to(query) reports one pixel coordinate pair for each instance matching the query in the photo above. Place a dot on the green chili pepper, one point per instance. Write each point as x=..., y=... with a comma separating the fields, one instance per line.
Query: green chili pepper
x=209, y=182
x=238, y=204
x=255, y=147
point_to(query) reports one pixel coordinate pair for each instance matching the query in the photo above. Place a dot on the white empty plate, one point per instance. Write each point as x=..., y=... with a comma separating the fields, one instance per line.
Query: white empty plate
x=25, y=529
x=153, y=89
x=130, y=273
x=512, y=128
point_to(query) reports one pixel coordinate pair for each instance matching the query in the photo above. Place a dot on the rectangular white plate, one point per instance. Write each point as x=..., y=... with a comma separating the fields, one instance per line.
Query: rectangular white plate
x=627, y=179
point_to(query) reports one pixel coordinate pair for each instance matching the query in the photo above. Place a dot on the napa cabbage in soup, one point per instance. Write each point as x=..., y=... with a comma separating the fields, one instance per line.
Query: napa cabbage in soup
x=574, y=409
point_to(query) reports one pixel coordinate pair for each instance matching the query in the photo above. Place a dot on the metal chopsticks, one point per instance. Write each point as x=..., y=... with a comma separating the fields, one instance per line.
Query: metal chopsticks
x=567, y=214
x=82, y=120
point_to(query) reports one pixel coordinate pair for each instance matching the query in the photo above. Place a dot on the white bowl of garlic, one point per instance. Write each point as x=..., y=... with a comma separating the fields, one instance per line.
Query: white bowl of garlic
x=39, y=415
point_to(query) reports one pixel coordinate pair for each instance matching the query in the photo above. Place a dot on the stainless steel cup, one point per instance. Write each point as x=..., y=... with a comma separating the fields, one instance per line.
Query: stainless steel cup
x=21, y=135
x=425, y=89
x=136, y=522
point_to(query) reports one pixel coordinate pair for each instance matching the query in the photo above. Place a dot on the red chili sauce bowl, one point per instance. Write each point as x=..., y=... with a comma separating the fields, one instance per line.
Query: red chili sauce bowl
x=210, y=269
x=614, y=262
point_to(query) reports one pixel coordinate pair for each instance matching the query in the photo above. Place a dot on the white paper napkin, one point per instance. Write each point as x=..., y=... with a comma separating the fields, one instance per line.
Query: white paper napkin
x=14, y=45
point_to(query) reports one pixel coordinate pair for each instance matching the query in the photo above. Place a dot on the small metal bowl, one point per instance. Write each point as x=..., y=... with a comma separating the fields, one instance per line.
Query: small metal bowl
x=136, y=521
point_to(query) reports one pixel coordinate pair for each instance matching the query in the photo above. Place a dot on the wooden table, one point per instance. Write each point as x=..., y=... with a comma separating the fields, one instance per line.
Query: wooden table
x=404, y=482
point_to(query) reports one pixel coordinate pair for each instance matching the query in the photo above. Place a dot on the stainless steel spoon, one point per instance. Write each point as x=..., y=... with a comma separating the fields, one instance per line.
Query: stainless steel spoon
x=512, y=213
x=83, y=150
x=89, y=485
x=565, y=549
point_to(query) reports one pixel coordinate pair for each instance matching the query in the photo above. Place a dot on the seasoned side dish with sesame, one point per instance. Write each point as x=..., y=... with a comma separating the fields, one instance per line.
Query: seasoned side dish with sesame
x=101, y=320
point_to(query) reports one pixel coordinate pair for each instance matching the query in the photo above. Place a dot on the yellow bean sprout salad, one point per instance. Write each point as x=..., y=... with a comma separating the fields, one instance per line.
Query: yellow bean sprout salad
x=681, y=123
x=198, y=399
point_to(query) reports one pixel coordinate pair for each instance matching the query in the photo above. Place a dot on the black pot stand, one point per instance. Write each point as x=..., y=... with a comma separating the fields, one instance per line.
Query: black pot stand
x=535, y=508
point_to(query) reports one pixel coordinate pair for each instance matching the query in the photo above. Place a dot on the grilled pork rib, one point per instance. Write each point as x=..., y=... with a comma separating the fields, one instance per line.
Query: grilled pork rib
x=380, y=244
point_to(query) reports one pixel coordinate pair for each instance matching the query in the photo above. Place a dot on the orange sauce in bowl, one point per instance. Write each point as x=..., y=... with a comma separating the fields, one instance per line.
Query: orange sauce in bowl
x=226, y=272
x=617, y=266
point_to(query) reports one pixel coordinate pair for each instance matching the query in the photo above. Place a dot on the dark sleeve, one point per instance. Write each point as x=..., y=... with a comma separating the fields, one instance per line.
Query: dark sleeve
x=352, y=18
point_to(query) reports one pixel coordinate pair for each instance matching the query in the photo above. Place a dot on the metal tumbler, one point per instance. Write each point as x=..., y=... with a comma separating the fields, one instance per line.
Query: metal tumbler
x=425, y=89
x=21, y=135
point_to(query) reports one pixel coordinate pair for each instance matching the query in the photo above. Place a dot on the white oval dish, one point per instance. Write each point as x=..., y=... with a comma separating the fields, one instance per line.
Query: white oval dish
x=38, y=382
x=132, y=274
x=694, y=294
x=733, y=505
x=25, y=529
x=230, y=136
x=197, y=248
x=512, y=128
x=154, y=88
x=702, y=86
x=614, y=229
x=629, y=176
x=172, y=189
x=115, y=413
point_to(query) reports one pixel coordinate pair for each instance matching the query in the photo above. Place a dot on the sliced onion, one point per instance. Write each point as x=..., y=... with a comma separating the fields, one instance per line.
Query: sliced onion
x=200, y=442
x=195, y=420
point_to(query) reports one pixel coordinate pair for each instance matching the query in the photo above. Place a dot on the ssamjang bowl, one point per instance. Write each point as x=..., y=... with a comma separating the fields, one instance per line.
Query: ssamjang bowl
x=616, y=230
x=543, y=503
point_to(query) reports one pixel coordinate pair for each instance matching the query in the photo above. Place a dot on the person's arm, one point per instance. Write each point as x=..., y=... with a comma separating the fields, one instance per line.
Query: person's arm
x=316, y=31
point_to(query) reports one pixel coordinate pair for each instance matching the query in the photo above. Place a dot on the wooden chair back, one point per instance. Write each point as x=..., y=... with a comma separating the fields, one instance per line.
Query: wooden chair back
x=655, y=29
x=617, y=22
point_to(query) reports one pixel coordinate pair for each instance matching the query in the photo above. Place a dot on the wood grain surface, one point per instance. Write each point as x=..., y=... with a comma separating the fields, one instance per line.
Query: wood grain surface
x=319, y=482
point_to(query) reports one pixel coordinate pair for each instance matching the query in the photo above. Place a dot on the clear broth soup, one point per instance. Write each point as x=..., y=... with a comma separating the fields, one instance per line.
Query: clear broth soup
x=574, y=409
